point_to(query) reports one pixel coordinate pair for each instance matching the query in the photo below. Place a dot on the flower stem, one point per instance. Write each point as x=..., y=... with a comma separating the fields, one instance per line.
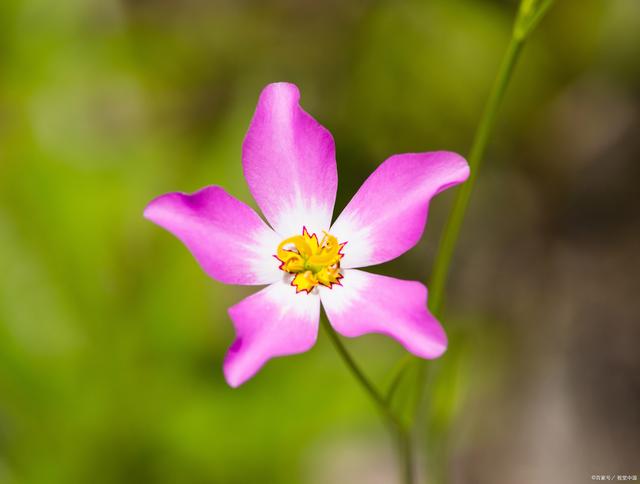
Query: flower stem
x=403, y=439
x=400, y=370
x=529, y=14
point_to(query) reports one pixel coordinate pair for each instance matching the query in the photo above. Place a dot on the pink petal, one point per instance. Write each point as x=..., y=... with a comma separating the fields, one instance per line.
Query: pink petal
x=369, y=303
x=387, y=215
x=273, y=322
x=227, y=238
x=289, y=163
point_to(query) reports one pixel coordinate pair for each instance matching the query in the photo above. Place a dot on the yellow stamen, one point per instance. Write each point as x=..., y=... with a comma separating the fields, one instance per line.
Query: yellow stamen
x=310, y=261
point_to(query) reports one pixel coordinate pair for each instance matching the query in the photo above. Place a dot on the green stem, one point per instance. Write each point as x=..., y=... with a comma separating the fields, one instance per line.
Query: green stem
x=401, y=432
x=487, y=122
x=405, y=450
x=530, y=13
x=400, y=369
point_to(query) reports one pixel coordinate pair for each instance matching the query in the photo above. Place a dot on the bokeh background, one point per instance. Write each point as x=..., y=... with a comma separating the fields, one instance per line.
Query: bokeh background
x=112, y=338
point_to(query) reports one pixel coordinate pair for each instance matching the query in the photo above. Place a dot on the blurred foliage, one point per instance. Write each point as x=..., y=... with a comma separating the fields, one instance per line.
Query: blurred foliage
x=111, y=337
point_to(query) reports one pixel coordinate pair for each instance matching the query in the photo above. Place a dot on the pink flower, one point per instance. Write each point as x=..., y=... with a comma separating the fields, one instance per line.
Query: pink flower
x=304, y=260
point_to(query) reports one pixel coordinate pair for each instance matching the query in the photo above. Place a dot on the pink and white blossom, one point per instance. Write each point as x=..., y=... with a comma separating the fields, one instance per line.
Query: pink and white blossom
x=303, y=259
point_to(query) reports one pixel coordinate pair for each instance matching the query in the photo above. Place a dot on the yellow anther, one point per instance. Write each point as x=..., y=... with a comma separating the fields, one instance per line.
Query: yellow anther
x=299, y=242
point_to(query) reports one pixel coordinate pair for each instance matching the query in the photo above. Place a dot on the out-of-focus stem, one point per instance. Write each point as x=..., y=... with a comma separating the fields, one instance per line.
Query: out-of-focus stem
x=400, y=369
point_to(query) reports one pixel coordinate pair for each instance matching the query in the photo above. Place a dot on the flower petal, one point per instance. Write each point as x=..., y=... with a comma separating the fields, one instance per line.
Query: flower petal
x=386, y=217
x=228, y=239
x=369, y=303
x=273, y=322
x=289, y=163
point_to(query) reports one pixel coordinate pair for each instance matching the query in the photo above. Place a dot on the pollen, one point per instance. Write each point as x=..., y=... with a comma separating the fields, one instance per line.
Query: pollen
x=311, y=261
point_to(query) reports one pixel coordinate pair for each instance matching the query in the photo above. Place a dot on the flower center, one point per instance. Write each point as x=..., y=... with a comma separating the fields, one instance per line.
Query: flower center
x=313, y=262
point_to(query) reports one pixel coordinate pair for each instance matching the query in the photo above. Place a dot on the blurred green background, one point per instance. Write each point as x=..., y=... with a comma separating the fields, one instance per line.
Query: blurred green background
x=112, y=338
